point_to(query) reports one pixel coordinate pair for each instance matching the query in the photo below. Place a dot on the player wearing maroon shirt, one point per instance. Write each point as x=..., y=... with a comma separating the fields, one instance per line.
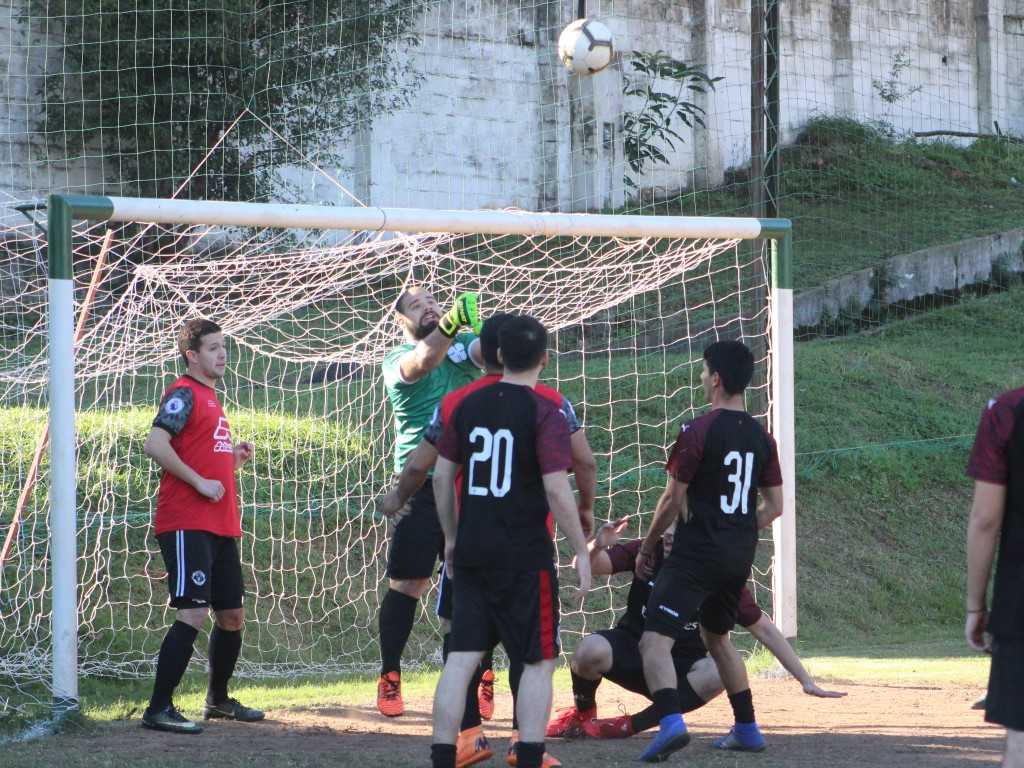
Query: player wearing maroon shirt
x=997, y=466
x=719, y=462
x=513, y=447
x=196, y=526
x=615, y=653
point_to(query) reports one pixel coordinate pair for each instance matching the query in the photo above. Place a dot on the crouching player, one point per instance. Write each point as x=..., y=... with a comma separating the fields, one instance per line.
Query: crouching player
x=615, y=653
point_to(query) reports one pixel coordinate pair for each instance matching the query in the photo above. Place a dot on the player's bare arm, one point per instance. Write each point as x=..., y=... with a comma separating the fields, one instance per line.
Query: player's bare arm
x=671, y=507
x=607, y=536
x=563, y=507
x=158, y=447
x=770, y=507
x=414, y=474
x=431, y=350
x=982, y=534
x=765, y=631
x=584, y=468
x=444, y=496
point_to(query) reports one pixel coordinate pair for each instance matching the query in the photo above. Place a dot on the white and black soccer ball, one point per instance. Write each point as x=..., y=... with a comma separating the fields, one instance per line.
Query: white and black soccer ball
x=585, y=46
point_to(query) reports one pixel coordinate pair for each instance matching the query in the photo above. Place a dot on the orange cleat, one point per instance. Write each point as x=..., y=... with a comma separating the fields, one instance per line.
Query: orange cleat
x=568, y=724
x=472, y=748
x=549, y=761
x=389, y=695
x=485, y=695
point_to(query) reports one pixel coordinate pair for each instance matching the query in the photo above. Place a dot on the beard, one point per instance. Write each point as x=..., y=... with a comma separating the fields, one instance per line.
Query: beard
x=424, y=329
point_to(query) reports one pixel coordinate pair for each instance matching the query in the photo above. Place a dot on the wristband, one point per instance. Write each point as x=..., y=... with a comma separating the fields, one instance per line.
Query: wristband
x=978, y=610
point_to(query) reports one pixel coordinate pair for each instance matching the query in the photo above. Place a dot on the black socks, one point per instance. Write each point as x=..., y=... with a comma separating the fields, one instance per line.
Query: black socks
x=224, y=648
x=397, y=614
x=175, y=652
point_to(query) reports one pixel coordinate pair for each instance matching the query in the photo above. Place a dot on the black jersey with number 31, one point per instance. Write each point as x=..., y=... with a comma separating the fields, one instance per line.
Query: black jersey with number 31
x=506, y=437
x=724, y=457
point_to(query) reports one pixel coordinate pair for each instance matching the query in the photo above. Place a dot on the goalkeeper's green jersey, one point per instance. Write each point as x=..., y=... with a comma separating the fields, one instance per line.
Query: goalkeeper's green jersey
x=414, y=404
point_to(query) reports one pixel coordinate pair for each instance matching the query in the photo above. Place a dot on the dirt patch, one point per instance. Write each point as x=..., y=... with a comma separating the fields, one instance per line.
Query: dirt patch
x=875, y=725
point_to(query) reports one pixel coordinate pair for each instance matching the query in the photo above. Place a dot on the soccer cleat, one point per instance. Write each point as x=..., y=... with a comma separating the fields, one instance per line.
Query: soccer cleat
x=980, y=703
x=568, y=723
x=231, y=709
x=670, y=738
x=472, y=748
x=169, y=719
x=620, y=727
x=485, y=695
x=743, y=740
x=549, y=761
x=389, y=695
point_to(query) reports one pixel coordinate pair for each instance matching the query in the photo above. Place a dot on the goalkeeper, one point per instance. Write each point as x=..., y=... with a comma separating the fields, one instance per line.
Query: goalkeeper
x=434, y=360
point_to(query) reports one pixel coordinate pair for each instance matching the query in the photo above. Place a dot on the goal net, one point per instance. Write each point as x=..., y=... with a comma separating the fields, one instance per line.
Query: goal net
x=307, y=311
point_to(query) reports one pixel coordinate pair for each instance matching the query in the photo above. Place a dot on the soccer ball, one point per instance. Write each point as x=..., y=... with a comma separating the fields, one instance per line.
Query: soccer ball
x=585, y=46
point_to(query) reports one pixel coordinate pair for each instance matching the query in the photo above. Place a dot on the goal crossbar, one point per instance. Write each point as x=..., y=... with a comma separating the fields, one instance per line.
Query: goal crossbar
x=64, y=210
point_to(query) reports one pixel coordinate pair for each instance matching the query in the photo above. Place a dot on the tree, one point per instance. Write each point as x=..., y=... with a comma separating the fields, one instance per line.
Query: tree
x=154, y=84
x=660, y=111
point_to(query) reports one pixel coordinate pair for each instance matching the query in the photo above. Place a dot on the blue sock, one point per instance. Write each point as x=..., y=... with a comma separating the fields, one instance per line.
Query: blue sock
x=743, y=729
x=668, y=722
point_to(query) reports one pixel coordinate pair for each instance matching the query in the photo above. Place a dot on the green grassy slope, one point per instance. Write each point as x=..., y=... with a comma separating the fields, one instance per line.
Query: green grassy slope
x=881, y=529
x=857, y=196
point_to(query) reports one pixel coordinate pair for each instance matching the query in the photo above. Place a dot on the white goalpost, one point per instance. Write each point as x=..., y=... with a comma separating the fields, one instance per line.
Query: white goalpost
x=304, y=294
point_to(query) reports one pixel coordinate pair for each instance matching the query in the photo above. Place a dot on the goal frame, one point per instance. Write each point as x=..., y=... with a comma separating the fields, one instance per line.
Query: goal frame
x=64, y=209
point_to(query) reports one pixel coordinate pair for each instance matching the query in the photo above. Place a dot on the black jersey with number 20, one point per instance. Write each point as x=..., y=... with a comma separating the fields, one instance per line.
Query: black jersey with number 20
x=506, y=437
x=724, y=457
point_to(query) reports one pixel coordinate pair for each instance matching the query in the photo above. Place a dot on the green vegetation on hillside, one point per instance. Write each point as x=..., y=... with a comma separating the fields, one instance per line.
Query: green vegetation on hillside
x=856, y=196
x=884, y=425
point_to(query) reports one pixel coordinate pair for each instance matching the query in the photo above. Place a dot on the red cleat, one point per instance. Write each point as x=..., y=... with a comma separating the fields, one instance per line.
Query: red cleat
x=568, y=723
x=620, y=727
x=485, y=695
x=389, y=695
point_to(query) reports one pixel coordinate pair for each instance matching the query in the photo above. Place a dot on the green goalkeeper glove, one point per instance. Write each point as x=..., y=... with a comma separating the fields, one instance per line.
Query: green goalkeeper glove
x=463, y=312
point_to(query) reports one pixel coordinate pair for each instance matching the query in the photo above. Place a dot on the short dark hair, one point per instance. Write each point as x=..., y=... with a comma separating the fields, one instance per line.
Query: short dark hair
x=733, y=362
x=523, y=341
x=190, y=337
x=490, y=338
x=406, y=295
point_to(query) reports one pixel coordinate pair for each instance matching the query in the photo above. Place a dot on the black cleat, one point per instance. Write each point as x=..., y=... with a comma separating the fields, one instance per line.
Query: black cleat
x=232, y=709
x=169, y=719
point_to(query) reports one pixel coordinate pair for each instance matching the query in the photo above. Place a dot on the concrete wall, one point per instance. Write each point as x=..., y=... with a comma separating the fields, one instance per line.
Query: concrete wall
x=941, y=270
x=497, y=122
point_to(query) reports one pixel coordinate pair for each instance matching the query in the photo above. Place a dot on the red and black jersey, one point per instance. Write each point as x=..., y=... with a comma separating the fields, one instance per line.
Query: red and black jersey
x=623, y=558
x=191, y=413
x=506, y=437
x=443, y=412
x=723, y=457
x=998, y=457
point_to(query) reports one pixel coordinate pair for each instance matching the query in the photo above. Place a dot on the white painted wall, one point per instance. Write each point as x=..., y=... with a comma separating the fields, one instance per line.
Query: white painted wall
x=496, y=122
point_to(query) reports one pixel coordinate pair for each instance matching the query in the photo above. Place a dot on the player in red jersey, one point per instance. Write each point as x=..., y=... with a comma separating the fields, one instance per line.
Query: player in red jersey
x=614, y=654
x=472, y=745
x=997, y=466
x=197, y=524
x=717, y=466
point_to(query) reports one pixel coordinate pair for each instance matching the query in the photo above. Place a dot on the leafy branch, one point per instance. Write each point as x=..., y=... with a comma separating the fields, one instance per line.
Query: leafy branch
x=654, y=128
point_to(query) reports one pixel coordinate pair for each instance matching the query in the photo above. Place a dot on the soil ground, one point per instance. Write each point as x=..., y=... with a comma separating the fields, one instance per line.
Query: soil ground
x=875, y=725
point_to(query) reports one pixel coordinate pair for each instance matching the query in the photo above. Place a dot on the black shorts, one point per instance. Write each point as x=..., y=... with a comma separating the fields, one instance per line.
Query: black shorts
x=203, y=569
x=1004, y=704
x=627, y=668
x=519, y=609
x=417, y=541
x=445, y=590
x=685, y=591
